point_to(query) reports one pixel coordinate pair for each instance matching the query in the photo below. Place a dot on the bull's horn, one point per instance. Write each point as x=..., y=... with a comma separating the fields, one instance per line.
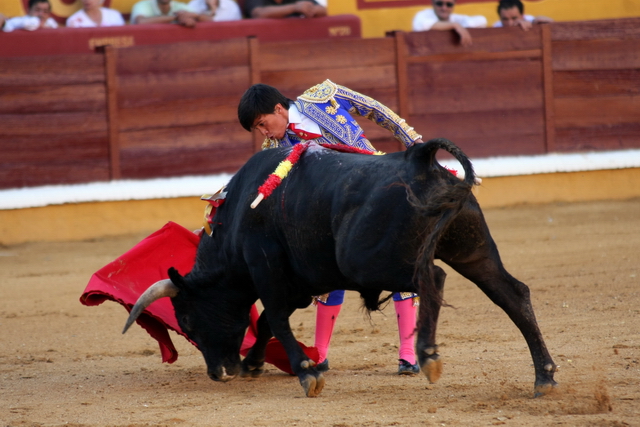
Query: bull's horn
x=160, y=289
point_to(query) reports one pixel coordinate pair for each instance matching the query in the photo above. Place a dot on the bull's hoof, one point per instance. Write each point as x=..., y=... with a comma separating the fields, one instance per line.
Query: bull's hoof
x=312, y=386
x=221, y=377
x=253, y=371
x=544, y=389
x=432, y=368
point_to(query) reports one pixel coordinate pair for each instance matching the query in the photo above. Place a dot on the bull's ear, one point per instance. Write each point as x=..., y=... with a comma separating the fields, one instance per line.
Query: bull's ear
x=176, y=277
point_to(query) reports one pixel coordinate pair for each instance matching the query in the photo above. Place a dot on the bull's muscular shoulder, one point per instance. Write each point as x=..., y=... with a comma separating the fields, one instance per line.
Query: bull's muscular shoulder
x=320, y=93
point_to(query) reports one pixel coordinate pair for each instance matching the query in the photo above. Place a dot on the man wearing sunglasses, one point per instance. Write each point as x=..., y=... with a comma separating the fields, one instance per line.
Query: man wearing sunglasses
x=441, y=17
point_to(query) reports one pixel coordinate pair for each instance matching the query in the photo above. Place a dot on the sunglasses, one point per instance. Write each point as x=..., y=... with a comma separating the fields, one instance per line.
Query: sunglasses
x=442, y=3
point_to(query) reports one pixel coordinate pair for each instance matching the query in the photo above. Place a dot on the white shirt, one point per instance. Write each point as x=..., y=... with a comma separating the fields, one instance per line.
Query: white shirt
x=110, y=18
x=302, y=122
x=150, y=8
x=425, y=19
x=228, y=10
x=27, y=23
x=528, y=18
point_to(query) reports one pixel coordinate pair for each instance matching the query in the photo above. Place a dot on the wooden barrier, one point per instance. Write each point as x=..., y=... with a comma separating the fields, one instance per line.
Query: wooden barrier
x=53, y=121
x=488, y=99
x=175, y=108
x=596, y=83
x=170, y=110
x=63, y=41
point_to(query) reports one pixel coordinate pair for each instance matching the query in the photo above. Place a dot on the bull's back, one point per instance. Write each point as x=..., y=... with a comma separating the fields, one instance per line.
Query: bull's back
x=336, y=216
x=342, y=216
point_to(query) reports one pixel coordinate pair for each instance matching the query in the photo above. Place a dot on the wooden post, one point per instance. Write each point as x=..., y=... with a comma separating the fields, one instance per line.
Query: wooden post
x=255, y=77
x=401, y=77
x=547, y=81
x=111, y=62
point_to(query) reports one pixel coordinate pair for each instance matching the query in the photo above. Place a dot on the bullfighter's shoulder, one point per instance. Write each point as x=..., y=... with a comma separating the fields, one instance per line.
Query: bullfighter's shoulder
x=320, y=93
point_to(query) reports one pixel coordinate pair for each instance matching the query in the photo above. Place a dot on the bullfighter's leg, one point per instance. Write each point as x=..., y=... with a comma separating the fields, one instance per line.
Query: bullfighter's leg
x=426, y=348
x=405, y=307
x=513, y=297
x=326, y=316
x=252, y=364
x=267, y=265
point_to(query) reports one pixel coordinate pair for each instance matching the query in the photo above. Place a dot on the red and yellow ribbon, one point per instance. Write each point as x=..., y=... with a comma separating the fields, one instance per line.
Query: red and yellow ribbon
x=284, y=167
x=281, y=172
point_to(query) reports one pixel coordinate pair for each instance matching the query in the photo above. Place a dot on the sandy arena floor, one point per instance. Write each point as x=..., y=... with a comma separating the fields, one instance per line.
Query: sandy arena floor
x=62, y=363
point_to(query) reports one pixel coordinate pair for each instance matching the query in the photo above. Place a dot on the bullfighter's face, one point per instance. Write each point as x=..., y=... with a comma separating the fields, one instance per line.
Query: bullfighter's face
x=273, y=125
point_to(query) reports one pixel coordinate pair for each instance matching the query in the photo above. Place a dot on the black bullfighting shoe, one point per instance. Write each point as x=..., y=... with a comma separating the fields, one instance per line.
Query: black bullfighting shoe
x=323, y=366
x=406, y=368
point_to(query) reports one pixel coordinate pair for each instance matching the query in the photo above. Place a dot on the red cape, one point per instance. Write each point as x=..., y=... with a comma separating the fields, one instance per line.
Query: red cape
x=126, y=278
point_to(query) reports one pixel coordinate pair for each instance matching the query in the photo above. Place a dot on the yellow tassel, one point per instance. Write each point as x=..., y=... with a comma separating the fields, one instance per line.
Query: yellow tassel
x=283, y=169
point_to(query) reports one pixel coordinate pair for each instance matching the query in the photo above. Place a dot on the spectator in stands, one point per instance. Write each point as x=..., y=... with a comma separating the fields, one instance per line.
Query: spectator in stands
x=93, y=14
x=39, y=16
x=218, y=10
x=441, y=17
x=283, y=9
x=165, y=12
x=511, y=14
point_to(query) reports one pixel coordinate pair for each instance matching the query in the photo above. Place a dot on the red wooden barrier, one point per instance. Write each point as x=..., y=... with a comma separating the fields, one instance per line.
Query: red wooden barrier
x=170, y=109
x=85, y=40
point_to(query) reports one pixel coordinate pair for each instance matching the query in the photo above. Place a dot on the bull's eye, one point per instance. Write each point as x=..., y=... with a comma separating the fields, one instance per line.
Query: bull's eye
x=185, y=323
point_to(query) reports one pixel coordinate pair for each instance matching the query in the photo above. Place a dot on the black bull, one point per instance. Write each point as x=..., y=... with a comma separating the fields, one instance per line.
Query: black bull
x=340, y=221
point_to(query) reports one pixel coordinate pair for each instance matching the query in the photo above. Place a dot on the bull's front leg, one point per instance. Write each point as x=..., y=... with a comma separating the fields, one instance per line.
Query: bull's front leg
x=267, y=264
x=310, y=379
x=426, y=348
x=253, y=363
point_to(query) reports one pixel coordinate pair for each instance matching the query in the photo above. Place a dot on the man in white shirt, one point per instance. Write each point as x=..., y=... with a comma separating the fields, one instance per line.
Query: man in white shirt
x=219, y=10
x=39, y=16
x=441, y=17
x=165, y=12
x=93, y=14
x=511, y=14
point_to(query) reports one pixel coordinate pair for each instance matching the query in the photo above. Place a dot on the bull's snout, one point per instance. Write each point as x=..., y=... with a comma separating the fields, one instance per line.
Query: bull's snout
x=223, y=374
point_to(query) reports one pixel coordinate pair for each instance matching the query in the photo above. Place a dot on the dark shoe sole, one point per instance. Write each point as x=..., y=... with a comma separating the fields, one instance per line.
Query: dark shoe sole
x=323, y=366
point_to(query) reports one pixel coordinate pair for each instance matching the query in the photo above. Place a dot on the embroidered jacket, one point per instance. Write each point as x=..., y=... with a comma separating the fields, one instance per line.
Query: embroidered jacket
x=331, y=106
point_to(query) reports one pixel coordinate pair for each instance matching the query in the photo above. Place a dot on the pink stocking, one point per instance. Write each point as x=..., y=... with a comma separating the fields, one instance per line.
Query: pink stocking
x=406, y=312
x=325, y=320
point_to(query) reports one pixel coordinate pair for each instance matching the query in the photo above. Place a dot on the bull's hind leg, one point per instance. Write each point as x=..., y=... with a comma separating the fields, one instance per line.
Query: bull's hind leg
x=513, y=297
x=426, y=348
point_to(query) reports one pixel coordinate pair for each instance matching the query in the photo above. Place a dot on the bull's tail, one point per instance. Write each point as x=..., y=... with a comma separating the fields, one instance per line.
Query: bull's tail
x=427, y=153
x=444, y=203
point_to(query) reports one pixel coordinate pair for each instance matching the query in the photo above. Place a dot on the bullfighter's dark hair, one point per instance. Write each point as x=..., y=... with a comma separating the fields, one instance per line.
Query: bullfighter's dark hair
x=257, y=100
x=35, y=2
x=508, y=4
